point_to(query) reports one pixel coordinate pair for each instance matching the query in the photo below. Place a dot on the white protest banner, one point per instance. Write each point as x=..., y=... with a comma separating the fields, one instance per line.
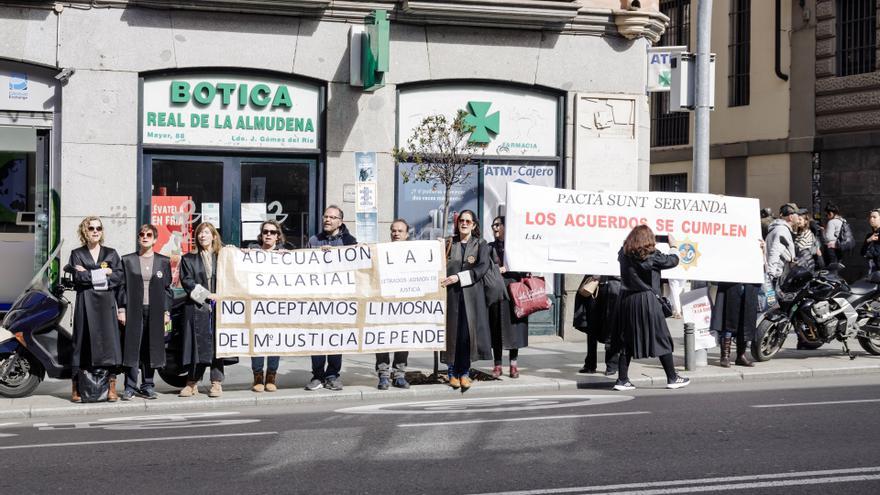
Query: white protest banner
x=581, y=232
x=696, y=309
x=351, y=299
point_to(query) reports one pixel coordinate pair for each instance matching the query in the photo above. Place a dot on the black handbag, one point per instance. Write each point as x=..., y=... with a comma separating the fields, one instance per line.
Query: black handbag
x=665, y=305
x=93, y=385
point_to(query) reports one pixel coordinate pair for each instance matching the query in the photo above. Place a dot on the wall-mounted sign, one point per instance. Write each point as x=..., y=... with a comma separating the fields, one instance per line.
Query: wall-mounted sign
x=25, y=91
x=225, y=110
x=659, y=66
x=509, y=121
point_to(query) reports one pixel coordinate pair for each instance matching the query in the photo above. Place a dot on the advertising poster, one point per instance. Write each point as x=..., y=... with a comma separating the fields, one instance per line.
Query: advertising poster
x=173, y=218
x=421, y=204
x=352, y=299
x=570, y=231
x=496, y=177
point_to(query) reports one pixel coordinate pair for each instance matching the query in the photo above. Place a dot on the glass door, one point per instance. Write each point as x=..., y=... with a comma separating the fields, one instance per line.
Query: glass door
x=281, y=191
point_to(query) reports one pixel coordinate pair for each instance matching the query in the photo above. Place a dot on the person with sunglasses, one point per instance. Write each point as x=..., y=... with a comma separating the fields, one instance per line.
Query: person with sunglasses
x=270, y=237
x=334, y=233
x=97, y=273
x=467, y=318
x=508, y=331
x=144, y=311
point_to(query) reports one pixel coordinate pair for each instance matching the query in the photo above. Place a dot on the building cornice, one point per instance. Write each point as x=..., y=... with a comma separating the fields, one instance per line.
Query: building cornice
x=633, y=24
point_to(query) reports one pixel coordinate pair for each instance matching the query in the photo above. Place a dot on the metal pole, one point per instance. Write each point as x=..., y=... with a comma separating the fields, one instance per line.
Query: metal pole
x=702, y=92
x=690, y=359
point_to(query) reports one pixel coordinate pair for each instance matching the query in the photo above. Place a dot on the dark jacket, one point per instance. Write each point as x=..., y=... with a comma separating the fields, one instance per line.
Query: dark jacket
x=735, y=309
x=342, y=238
x=871, y=252
x=508, y=331
x=94, y=315
x=131, y=297
x=598, y=316
x=467, y=305
x=198, y=326
x=640, y=321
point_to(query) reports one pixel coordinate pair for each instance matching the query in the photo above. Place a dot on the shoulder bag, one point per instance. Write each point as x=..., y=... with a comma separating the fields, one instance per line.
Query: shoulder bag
x=529, y=296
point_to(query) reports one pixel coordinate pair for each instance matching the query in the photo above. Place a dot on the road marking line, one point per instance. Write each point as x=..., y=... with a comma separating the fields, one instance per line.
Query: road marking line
x=797, y=404
x=698, y=481
x=535, y=418
x=739, y=486
x=136, y=440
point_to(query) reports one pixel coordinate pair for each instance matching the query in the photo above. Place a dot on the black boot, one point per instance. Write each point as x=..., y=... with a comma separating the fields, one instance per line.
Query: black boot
x=725, y=352
x=741, y=358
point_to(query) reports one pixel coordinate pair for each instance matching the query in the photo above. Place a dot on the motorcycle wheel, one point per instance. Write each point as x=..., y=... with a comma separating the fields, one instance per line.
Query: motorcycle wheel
x=872, y=345
x=23, y=378
x=769, y=338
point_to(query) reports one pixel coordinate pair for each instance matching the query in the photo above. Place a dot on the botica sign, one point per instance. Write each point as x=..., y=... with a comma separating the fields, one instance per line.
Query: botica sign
x=230, y=111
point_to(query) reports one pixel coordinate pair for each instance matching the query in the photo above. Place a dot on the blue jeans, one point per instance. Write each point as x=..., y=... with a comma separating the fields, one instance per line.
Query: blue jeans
x=257, y=363
x=334, y=367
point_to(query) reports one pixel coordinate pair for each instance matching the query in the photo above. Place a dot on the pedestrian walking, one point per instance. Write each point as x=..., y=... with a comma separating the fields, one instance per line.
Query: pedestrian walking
x=597, y=317
x=271, y=237
x=507, y=331
x=198, y=276
x=871, y=246
x=640, y=316
x=384, y=365
x=97, y=273
x=144, y=310
x=467, y=318
x=326, y=370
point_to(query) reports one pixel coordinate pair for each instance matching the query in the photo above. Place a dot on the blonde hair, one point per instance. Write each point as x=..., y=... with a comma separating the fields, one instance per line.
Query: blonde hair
x=84, y=230
x=216, y=244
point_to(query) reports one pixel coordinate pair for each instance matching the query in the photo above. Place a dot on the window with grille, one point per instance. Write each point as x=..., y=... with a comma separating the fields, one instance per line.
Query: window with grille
x=738, y=47
x=671, y=128
x=856, y=36
x=669, y=183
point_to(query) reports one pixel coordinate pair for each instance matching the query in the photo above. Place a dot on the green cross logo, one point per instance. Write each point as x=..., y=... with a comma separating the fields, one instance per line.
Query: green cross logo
x=480, y=122
x=665, y=79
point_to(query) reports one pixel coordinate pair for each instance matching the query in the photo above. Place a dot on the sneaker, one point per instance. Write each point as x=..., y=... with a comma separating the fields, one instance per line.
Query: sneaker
x=315, y=384
x=127, y=395
x=401, y=383
x=621, y=386
x=678, y=382
x=148, y=393
x=333, y=384
x=384, y=383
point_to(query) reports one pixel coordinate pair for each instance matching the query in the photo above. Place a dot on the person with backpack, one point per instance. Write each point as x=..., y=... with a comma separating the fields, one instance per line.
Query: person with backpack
x=838, y=235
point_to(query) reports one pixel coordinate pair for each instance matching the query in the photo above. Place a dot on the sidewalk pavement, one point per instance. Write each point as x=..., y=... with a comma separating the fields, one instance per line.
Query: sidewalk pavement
x=547, y=365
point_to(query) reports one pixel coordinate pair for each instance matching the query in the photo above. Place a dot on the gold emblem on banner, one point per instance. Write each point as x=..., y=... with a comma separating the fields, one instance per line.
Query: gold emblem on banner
x=688, y=254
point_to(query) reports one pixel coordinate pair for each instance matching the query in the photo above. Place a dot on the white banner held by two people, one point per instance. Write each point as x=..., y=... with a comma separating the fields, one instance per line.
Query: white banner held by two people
x=351, y=299
x=581, y=232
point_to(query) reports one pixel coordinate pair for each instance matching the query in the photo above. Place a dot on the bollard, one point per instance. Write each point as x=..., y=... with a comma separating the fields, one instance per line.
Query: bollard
x=690, y=358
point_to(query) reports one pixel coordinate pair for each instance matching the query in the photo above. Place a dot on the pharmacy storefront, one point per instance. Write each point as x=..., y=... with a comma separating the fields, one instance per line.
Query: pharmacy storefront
x=520, y=130
x=232, y=149
x=28, y=103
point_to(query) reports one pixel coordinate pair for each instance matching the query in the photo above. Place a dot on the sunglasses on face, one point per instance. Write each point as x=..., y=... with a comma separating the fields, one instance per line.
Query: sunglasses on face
x=148, y=234
x=270, y=232
x=92, y=228
x=466, y=221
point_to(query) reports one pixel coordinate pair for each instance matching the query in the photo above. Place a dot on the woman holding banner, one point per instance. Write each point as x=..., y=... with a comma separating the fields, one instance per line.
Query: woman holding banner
x=640, y=317
x=467, y=319
x=270, y=237
x=508, y=331
x=198, y=276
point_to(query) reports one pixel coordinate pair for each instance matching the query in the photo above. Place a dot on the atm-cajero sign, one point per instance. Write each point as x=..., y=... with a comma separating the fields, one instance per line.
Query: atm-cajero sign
x=224, y=110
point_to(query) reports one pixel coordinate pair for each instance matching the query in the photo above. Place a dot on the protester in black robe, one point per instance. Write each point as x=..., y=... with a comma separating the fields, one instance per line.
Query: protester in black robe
x=597, y=317
x=97, y=272
x=198, y=276
x=735, y=313
x=640, y=316
x=508, y=331
x=144, y=313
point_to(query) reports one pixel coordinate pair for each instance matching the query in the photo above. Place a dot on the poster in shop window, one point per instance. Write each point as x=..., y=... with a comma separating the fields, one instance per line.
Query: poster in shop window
x=571, y=231
x=351, y=299
x=173, y=218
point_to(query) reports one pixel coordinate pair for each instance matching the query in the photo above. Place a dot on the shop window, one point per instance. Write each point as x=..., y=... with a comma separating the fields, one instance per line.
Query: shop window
x=278, y=190
x=671, y=128
x=738, y=48
x=856, y=36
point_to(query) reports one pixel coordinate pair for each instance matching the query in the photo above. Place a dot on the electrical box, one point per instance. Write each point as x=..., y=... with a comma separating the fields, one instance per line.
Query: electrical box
x=682, y=91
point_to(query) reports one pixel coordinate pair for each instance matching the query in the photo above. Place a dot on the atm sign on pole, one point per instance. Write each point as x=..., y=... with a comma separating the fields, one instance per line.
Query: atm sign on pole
x=659, y=68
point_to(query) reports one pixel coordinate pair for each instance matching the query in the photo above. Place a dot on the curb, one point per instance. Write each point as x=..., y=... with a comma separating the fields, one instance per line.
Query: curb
x=169, y=403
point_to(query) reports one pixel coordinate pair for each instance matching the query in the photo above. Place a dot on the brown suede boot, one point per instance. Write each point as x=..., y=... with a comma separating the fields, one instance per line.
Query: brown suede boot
x=111, y=392
x=74, y=394
x=270, y=381
x=258, y=382
x=725, y=352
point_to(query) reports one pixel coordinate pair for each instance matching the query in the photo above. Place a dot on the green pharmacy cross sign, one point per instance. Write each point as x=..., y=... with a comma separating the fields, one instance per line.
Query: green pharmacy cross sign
x=481, y=122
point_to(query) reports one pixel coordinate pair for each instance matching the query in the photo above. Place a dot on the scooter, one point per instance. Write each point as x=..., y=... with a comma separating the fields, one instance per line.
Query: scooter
x=33, y=344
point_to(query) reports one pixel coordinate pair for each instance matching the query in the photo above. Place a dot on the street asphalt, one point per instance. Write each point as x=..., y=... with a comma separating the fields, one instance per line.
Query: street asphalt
x=548, y=365
x=767, y=437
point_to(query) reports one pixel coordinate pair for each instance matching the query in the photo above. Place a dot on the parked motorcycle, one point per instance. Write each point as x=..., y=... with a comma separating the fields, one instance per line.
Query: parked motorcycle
x=821, y=308
x=32, y=341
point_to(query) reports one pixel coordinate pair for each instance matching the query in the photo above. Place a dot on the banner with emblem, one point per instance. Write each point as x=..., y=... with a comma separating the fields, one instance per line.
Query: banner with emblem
x=581, y=232
x=352, y=299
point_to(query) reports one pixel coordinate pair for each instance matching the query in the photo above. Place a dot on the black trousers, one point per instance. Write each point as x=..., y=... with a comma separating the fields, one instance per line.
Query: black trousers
x=148, y=373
